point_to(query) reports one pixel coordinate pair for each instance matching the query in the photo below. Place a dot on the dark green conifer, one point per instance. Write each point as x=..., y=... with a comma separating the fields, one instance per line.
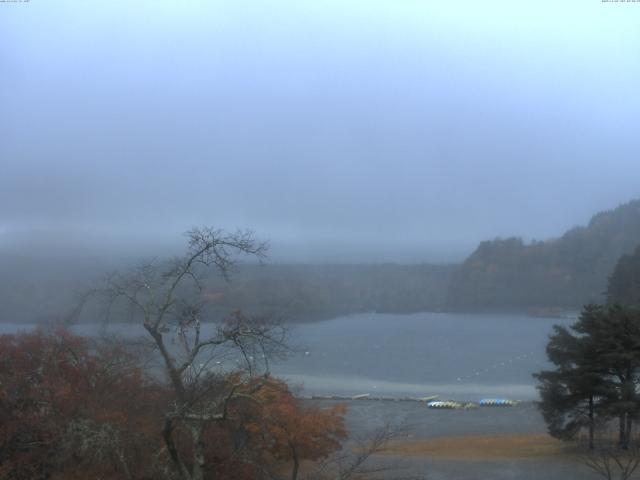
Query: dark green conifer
x=624, y=283
x=597, y=372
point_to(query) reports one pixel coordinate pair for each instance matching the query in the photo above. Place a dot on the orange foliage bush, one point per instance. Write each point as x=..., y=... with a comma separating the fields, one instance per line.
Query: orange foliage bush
x=67, y=406
x=71, y=408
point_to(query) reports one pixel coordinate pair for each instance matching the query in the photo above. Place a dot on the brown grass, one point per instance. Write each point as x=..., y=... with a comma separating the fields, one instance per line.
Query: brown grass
x=481, y=447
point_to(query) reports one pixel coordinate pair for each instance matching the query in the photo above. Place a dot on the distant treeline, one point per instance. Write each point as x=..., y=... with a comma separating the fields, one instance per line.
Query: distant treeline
x=33, y=290
x=567, y=272
x=501, y=274
x=312, y=292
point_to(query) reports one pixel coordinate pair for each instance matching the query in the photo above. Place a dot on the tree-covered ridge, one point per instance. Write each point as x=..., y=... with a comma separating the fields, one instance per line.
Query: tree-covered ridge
x=624, y=282
x=33, y=290
x=311, y=292
x=565, y=272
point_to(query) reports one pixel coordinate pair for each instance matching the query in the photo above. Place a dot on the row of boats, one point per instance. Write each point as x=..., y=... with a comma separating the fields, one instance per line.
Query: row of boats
x=485, y=402
x=431, y=401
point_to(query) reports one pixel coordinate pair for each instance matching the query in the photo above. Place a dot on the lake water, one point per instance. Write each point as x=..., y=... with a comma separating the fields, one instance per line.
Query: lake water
x=464, y=357
x=461, y=356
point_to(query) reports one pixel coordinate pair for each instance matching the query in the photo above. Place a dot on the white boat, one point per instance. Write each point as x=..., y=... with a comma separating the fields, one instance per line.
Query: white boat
x=447, y=404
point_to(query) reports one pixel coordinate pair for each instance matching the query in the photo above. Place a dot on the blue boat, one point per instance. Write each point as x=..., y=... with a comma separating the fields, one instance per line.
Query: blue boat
x=497, y=402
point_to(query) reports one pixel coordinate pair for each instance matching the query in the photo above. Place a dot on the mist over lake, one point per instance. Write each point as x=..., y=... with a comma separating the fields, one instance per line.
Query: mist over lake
x=459, y=355
x=269, y=240
x=462, y=356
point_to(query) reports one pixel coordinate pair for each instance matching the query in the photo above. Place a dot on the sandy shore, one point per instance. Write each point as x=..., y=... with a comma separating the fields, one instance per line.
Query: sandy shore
x=482, y=447
x=483, y=443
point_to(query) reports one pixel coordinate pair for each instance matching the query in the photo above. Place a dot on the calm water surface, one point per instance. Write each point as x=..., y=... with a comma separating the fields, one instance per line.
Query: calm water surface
x=452, y=355
x=463, y=356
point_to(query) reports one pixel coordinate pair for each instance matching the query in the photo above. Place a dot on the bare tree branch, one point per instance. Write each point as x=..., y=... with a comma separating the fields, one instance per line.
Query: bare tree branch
x=167, y=298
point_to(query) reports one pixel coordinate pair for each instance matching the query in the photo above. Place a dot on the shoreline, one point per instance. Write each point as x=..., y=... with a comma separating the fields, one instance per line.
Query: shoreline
x=524, y=446
x=311, y=317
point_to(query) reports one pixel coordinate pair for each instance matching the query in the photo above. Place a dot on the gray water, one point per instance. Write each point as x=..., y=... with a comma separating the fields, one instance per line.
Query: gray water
x=462, y=356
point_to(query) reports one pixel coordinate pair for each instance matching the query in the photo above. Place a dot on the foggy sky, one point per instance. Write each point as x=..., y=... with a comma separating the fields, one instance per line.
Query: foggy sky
x=377, y=130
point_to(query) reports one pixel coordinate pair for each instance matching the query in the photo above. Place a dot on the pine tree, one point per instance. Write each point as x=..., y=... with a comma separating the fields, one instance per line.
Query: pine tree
x=624, y=283
x=597, y=371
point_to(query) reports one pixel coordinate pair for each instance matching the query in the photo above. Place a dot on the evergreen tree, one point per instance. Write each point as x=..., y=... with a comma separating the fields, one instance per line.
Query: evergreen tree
x=571, y=394
x=624, y=282
x=597, y=371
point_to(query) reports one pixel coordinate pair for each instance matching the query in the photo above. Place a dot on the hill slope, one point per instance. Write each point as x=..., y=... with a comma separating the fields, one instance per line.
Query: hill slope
x=565, y=272
x=36, y=289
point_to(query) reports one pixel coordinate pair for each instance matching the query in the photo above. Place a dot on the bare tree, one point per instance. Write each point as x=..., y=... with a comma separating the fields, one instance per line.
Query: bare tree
x=613, y=463
x=356, y=462
x=167, y=299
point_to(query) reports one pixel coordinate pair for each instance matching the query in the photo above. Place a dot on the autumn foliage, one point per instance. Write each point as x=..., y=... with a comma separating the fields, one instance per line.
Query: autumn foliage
x=73, y=408
x=292, y=432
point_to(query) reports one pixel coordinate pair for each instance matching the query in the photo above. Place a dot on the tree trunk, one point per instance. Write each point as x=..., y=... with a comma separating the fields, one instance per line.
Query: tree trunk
x=167, y=434
x=628, y=398
x=633, y=403
x=123, y=463
x=174, y=374
x=590, y=422
x=198, y=451
x=296, y=462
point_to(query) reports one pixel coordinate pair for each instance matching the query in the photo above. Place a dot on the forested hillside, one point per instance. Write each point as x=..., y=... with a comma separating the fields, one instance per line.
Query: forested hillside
x=624, y=282
x=310, y=292
x=35, y=289
x=565, y=272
